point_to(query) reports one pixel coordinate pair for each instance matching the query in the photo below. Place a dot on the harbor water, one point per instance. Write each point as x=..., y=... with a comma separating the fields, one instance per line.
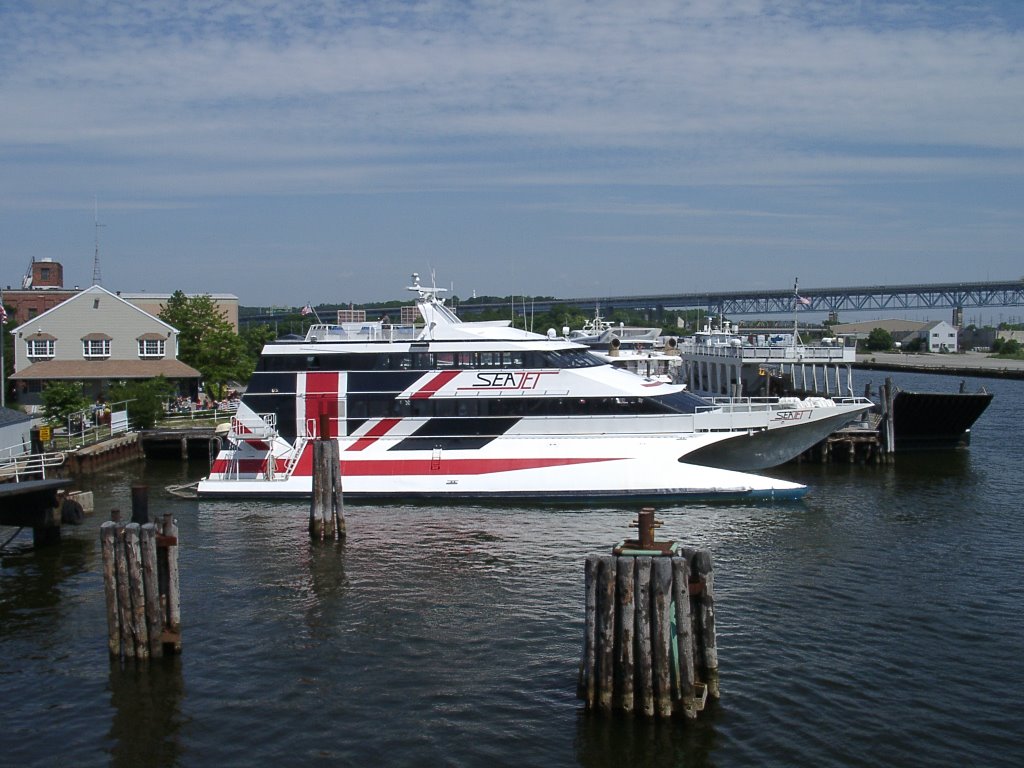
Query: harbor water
x=876, y=622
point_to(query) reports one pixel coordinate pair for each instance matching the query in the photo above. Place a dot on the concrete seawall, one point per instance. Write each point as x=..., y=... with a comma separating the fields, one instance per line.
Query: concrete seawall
x=960, y=364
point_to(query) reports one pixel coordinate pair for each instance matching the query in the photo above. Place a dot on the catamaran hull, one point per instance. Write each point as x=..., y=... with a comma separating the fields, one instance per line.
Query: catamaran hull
x=756, y=451
x=553, y=472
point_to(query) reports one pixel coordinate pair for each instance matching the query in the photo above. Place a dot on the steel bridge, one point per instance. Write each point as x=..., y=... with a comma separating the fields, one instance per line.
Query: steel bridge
x=872, y=298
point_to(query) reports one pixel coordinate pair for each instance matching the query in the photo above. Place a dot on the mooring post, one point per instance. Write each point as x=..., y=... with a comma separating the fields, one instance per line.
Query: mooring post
x=326, y=512
x=890, y=417
x=624, y=649
x=649, y=640
x=108, y=537
x=703, y=569
x=169, y=546
x=606, y=632
x=642, y=614
x=140, y=504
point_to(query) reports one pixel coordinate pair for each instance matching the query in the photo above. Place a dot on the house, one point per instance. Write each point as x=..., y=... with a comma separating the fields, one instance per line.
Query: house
x=15, y=437
x=939, y=336
x=96, y=337
x=901, y=331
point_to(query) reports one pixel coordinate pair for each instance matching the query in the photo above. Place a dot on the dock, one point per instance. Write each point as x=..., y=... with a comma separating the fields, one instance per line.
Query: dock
x=180, y=442
x=34, y=504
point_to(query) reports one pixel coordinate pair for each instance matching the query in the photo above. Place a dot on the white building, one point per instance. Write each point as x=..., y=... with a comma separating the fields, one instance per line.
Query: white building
x=940, y=336
x=96, y=337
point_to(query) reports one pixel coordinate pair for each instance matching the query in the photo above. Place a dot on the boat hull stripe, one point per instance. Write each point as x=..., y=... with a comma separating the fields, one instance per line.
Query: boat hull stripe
x=373, y=434
x=388, y=467
x=434, y=385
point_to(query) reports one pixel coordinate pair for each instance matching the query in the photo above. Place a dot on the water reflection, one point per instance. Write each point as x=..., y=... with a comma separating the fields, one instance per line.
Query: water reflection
x=611, y=741
x=146, y=701
x=35, y=579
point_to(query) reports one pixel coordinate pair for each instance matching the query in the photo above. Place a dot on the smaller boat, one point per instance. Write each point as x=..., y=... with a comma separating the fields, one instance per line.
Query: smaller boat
x=935, y=421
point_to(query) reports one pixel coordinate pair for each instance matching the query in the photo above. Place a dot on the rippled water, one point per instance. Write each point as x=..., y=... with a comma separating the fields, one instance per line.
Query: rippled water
x=878, y=622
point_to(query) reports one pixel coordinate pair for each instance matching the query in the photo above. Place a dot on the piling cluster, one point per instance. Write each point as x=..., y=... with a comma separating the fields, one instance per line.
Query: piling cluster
x=140, y=577
x=649, y=644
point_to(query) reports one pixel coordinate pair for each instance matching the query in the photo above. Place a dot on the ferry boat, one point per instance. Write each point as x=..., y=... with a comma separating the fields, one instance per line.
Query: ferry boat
x=723, y=362
x=479, y=410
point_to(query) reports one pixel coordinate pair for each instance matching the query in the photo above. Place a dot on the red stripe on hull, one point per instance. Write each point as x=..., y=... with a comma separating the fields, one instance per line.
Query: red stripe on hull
x=373, y=434
x=434, y=385
x=322, y=397
x=391, y=467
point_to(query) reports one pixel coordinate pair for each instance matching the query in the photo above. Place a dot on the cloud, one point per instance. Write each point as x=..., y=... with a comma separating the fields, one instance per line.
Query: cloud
x=167, y=104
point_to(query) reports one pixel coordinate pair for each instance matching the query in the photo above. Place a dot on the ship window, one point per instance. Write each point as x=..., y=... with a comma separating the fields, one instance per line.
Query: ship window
x=421, y=361
x=679, y=402
x=313, y=362
x=445, y=359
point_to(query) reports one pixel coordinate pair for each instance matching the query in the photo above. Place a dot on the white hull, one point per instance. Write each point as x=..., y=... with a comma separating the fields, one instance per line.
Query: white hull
x=547, y=469
x=478, y=411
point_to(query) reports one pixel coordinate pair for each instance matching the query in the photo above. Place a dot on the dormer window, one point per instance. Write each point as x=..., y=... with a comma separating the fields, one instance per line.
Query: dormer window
x=40, y=346
x=96, y=345
x=152, y=345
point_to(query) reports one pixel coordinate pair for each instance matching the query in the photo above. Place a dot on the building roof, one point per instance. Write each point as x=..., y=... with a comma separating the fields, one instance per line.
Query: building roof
x=892, y=325
x=9, y=416
x=92, y=290
x=106, y=369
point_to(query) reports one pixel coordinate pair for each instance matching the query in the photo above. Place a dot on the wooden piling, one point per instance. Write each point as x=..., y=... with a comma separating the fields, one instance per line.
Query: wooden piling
x=624, y=658
x=606, y=583
x=137, y=626
x=108, y=537
x=685, y=669
x=888, y=398
x=642, y=614
x=588, y=669
x=326, y=508
x=703, y=573
x=649, y=639
x=170, y=595
x=141, y=587
x=661, y=634
x=151, y=587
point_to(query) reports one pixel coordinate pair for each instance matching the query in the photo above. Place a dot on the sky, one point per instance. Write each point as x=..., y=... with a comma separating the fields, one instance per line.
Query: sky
x=287, y=152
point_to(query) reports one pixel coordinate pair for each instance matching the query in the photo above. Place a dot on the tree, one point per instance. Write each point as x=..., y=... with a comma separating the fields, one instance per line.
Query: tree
x=255, y=338
x=878, y=340
x=145, y=398
x=61, y=399
x=207, y=341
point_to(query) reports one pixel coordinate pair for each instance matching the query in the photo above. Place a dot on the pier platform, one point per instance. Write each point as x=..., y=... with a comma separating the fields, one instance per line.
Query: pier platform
x=979, y=364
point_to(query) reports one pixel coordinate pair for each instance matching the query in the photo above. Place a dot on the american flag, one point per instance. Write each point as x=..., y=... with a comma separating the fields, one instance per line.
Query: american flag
x=803, y=301
x=306, y=310
x=3, y=312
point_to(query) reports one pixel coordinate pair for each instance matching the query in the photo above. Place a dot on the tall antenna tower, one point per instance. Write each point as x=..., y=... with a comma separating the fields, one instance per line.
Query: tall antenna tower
x=96, y=277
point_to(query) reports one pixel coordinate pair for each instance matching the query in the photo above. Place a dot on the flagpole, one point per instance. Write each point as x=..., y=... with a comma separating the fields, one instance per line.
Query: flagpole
x=796, y=309
x=3, y=345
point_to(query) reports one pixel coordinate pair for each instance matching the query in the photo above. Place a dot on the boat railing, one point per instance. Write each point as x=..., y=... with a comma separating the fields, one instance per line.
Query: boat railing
x=801, y=353
x=261, y=426
x=368, y=331
x=752, y=404
x=293, y=460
